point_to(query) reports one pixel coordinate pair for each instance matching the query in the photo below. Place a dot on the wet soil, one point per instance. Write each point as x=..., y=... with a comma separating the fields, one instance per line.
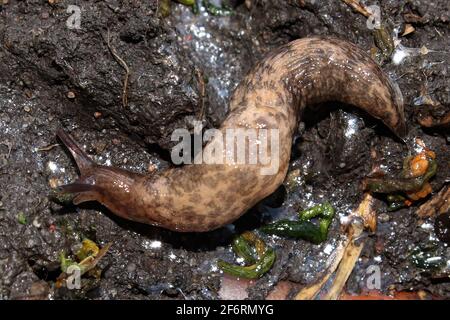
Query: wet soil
x=183, y=68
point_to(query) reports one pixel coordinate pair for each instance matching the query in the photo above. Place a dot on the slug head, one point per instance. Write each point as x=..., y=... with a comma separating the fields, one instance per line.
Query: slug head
x=112, y=187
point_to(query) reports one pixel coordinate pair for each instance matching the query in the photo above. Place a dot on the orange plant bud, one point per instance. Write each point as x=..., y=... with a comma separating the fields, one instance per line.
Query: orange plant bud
x=408, y=203
x=418, y=165
x=422, y=193
x=430, y=154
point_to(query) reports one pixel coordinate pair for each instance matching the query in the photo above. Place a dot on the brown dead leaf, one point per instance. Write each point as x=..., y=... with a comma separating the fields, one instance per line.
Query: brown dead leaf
x=438, y=204
x=408, y=29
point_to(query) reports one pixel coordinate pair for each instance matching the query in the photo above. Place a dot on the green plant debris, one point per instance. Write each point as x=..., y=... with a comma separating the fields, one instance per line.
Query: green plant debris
x=244, y=249
x=215, y=10
x=384, y=42
x=253, y=271
x=164, y=8
x=405, y=188
x=187, y=2
x=427, y=257
x=303, y=228
x=395, y=202
x=391, y=185
x=255, y=254
x=85, y=259
x=65, y=262
x=89, y=248
x=21, y=218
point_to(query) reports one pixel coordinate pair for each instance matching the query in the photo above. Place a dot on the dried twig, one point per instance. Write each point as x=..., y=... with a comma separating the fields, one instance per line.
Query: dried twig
x=311, y=291
x=10, y=146
x=358, y=7
x=429, y=121
x=440, y=203
x=344, y=257
x=201, y=82
x=124, y=66
x=353, y=250
x=47, y=148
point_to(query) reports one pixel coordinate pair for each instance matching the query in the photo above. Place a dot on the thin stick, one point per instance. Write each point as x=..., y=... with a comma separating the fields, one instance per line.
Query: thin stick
x=125, y=66
x=201, y=82
x=47, y=148
x=358, y=7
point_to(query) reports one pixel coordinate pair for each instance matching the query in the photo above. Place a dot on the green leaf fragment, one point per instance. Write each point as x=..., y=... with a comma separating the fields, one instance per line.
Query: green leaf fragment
x=253, y=271
x=90, y=253
x=427, y=258
x=164, y=8
x=256, y=255
x=22, y=218
x=384, y=41
x=187, y=2
x=324, y=210
x=65, y=262
x=391, y=185
x=215, y=10
x=89, y=248
x=303, y=228
x=244, y=250
x=395, y=202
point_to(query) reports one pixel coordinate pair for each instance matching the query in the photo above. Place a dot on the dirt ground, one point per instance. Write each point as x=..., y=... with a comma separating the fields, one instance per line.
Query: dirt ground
x=183, y=68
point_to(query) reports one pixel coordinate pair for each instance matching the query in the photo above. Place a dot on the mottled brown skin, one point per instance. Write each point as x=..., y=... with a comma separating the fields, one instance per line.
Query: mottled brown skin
x=202, y=197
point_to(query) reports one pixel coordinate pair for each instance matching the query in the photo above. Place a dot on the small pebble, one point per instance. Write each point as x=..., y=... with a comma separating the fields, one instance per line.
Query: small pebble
x=39, y=290
x=71, y=95
x=28, y=93
x=36, y=222
x=131, y=267
x=27, y=109
x=5, y=2
x=97, y=115
x=99, y=147
x=152, y=167
x=384, y=217
x=424, y=50
x=53, y=183
x=442, y=227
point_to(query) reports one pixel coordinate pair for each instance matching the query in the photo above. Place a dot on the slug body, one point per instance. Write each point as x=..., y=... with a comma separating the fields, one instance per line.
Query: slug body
x=203, y=197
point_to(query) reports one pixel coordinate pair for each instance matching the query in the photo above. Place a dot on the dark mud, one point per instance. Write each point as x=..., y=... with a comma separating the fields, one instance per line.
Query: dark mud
x=183, y=68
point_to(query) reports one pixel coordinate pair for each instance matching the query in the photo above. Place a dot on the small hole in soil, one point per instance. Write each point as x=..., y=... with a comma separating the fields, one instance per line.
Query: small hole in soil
x=49, y=272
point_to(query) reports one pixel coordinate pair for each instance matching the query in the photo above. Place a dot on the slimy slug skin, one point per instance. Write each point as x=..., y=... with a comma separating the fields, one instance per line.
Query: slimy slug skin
x=273, y=95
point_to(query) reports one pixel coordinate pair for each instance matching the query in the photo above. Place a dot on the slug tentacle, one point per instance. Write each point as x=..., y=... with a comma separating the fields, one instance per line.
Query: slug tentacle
x=83, y=161
x=214, y=192
x=82, y=189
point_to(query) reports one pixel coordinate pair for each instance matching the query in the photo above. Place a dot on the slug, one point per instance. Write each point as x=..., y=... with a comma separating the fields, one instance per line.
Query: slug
x=273, y=95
